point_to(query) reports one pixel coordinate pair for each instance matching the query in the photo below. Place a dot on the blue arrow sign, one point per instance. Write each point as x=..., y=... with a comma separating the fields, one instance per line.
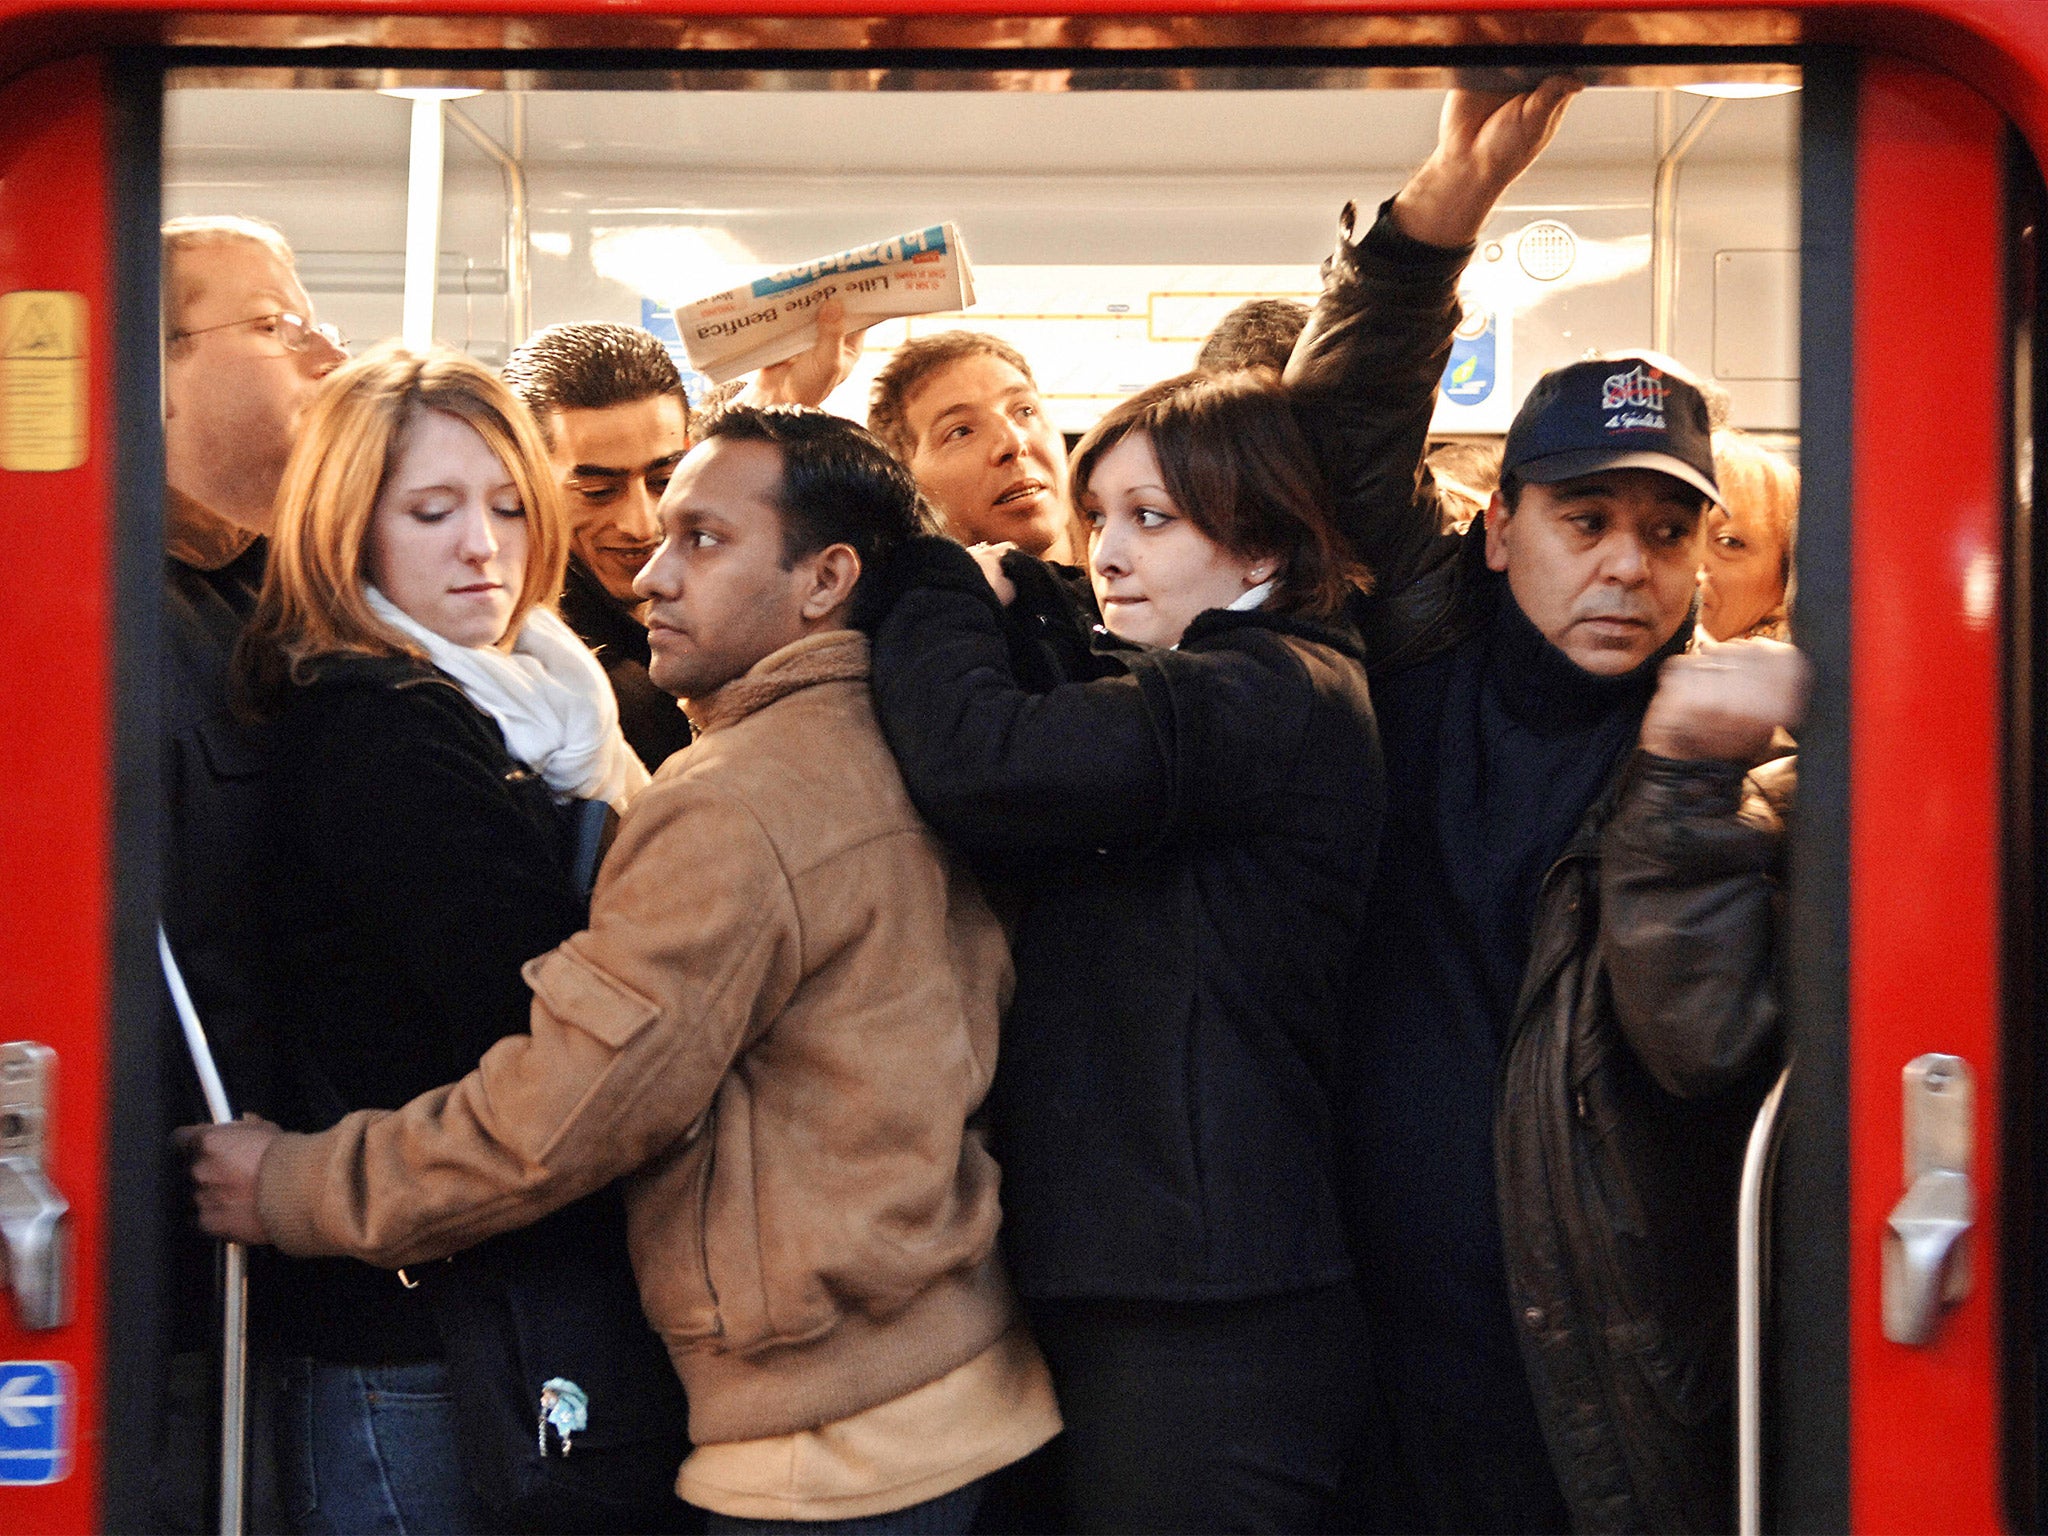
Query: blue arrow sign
x=35, y=1421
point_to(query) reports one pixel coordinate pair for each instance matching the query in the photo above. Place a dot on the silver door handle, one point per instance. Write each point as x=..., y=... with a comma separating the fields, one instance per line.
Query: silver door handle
x=1926, y=1267
x=1926, y=1252
x=34, y=1217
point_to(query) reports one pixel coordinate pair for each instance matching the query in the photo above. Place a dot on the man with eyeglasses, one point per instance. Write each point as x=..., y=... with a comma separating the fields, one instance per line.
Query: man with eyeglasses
x=242, y=359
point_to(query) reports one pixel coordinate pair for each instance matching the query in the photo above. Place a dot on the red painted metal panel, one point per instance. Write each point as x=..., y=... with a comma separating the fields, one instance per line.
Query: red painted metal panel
x=55, y=665
x=1925, y=747
x=2001, y=46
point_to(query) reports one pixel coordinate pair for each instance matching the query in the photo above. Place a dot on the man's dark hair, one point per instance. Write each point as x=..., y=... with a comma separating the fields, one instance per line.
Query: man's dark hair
x=839, y=484
x=591, y=367
x=1259, y=333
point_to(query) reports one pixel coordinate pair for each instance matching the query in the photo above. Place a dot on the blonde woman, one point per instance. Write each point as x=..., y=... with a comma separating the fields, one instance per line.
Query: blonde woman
x=439, y=731
x=1746, y=573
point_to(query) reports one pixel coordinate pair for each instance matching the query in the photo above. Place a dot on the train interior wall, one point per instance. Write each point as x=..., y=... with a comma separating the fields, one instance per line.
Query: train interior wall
x=1109, y=228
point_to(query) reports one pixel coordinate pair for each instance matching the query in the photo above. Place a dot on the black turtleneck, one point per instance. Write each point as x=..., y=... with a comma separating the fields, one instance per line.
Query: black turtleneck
x=653, y=722
x=1495, y=752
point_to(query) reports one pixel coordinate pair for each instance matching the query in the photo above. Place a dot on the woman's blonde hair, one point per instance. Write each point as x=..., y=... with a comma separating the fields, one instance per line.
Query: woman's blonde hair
x=313, y=601
x=1750, y=475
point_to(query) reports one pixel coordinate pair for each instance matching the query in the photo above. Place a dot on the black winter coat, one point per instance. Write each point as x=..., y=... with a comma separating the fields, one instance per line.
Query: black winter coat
x=415, y=867
x=1189, y=833
x=213, y=770
x=1645, y=1032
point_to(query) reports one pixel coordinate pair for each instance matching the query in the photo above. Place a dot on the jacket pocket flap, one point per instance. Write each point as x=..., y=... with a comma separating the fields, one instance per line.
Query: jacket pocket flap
x=578, y=993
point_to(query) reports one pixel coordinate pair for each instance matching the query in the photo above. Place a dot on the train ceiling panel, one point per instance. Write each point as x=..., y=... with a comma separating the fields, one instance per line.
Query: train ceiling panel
x=1109, y=227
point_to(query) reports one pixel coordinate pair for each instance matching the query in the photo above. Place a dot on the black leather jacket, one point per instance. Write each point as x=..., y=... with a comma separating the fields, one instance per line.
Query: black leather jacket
x=1646, y=1030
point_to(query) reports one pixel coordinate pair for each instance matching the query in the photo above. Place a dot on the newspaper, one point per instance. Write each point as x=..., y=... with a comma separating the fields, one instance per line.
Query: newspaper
x=920, y=273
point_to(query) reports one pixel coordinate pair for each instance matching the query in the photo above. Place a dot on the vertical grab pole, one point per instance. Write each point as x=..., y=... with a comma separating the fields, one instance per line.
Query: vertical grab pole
x=234, y=1376
x=1749, y=1311
x=423, y=219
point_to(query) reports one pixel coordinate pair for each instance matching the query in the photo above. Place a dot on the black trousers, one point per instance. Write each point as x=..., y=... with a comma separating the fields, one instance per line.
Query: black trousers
x=1460, y=1475
x=1195, y=1416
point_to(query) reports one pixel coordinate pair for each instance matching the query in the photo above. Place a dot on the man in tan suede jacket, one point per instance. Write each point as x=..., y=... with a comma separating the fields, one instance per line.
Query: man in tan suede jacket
x=775, y=1030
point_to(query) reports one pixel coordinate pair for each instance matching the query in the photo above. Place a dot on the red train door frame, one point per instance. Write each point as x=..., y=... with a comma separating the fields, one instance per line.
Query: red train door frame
x=1928, y=755
x=1901, y=800
x=78, y=740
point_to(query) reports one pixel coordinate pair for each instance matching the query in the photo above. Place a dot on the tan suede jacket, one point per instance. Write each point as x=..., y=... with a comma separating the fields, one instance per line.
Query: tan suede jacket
x=776, y=1026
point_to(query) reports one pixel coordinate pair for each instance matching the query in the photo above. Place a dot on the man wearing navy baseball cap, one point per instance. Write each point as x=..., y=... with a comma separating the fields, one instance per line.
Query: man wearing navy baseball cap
x=1607, y=471
x=1565, y=1016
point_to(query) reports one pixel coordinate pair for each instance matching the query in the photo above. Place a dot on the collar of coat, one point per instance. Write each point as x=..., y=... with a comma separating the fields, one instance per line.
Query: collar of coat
x=830, y=656
x=198, y=536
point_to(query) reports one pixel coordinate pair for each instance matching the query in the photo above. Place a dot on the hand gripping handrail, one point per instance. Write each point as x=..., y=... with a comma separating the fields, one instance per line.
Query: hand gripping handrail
x=1751, y=1234
x=234, y=1375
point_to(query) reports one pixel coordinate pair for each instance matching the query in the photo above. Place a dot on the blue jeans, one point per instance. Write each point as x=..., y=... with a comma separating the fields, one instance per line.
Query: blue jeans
x=365, y=1448
x=950, y=1514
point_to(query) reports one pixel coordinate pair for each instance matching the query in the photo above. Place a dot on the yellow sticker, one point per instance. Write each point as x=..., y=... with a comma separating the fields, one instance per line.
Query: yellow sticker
x=43, y=399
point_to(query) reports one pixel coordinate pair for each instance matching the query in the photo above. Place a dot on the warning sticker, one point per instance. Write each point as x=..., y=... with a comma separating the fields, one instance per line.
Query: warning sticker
x=43, y=415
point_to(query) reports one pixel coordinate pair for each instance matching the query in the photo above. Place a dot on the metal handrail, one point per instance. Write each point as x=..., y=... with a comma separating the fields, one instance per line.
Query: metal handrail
x=511, y=165
x=234, y=1375
x=1750, y=1238
x=1664, y=225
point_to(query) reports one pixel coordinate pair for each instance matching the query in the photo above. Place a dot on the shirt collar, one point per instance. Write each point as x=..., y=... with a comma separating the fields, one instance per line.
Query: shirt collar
x=1252, y=598
x=198, y=536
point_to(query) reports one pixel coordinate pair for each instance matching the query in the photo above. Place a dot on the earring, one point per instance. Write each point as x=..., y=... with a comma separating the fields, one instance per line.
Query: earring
x=1257, y=574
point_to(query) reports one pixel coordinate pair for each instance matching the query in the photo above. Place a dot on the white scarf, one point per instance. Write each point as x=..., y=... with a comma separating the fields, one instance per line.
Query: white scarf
x=548, y=695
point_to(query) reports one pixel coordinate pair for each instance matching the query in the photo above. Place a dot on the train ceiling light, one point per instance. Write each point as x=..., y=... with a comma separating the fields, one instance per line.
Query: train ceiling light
x=1740, y=90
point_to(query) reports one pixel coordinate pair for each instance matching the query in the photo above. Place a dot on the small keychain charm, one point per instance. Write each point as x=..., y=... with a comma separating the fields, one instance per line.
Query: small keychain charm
x=564, y=1409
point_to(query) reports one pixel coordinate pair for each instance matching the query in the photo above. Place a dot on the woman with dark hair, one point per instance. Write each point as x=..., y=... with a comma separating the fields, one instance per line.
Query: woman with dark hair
x=442, y=738
x=1185, y=816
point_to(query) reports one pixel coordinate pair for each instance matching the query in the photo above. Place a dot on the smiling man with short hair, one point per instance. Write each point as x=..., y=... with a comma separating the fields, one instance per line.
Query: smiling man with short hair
x=610, y=404
x=612, y=410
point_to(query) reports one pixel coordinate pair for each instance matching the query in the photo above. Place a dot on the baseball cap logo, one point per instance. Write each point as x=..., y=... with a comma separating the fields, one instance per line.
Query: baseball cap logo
x=1637, y=397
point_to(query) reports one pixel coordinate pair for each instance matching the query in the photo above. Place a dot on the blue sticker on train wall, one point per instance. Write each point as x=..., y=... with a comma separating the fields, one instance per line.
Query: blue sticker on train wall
x=1469, y=376
x=660, y=321
x=37, y=1408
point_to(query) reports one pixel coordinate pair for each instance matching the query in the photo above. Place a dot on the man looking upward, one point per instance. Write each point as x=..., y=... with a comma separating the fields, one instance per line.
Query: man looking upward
x=963, y=411
x=242, y=360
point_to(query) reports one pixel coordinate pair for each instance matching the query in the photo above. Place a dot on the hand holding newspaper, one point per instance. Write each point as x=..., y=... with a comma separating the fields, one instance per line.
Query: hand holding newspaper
x=772, y=318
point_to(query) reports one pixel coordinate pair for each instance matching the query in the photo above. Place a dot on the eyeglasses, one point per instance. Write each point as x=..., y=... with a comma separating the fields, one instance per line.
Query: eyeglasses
x=293, y=331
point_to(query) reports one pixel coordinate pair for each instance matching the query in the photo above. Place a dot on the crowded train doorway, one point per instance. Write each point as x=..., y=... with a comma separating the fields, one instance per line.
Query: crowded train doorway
x=1719, y=284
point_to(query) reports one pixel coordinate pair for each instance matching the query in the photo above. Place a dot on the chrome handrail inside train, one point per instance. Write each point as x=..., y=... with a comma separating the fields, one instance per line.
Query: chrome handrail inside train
x=1750, y=1247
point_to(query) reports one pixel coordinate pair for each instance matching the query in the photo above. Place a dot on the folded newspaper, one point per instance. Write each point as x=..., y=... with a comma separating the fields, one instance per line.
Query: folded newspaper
x=772, y=318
